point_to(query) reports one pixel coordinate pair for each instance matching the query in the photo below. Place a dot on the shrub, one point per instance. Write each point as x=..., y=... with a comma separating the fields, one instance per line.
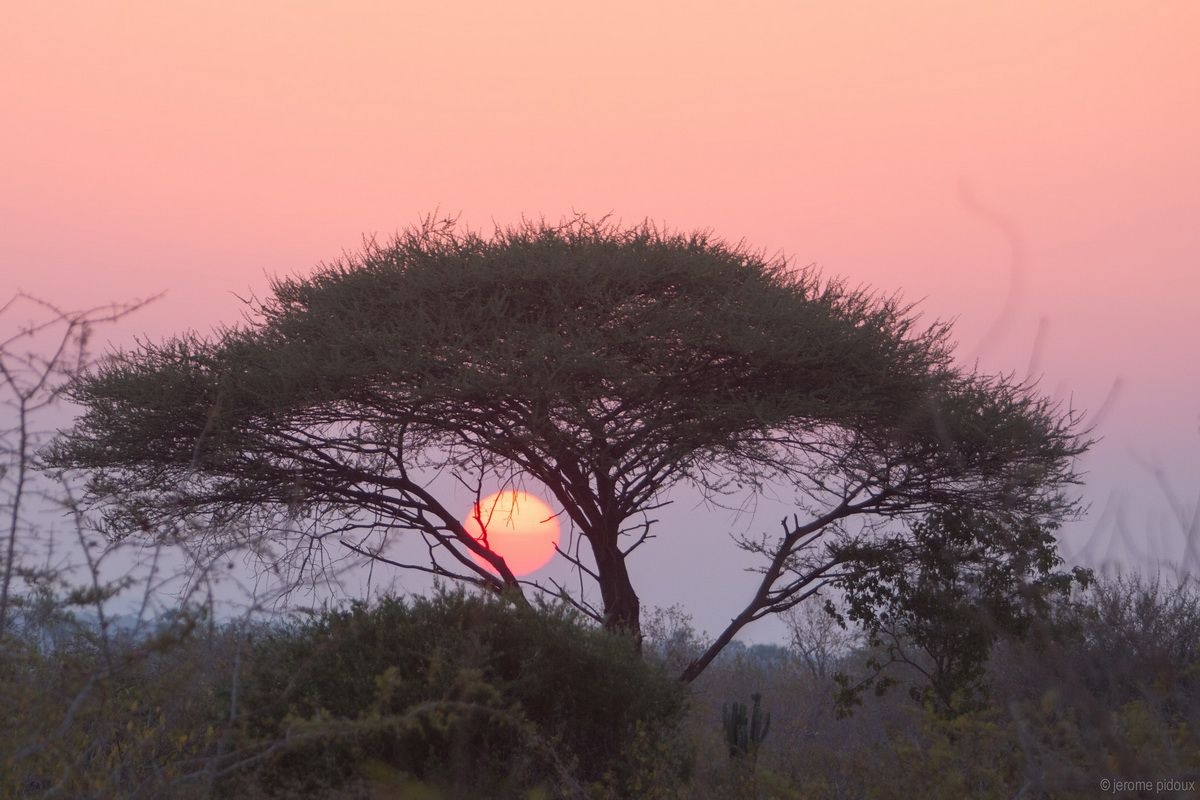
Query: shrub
x=463, y=692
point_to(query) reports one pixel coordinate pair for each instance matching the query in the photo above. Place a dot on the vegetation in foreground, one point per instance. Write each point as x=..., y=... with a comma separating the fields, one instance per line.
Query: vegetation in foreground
x=463, y=696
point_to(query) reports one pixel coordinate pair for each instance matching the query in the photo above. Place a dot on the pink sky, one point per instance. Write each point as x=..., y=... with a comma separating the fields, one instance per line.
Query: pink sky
x=194, y=148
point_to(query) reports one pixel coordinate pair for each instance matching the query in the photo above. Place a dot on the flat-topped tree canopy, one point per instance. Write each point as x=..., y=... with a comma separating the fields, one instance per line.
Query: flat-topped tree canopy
x=607, y=363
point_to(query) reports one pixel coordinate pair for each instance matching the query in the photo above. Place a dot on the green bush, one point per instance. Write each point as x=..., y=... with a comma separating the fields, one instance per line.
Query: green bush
x=466, y=693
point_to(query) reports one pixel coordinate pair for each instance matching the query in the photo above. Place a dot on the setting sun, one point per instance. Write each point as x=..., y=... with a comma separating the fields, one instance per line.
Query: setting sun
x=520, y=528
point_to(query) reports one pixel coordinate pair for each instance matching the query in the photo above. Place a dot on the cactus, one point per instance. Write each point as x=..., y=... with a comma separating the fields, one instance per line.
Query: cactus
x=745, y=733
x=733, y=722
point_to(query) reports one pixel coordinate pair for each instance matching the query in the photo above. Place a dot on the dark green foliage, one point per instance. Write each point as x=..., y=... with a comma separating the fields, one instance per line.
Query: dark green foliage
x=456, y=688
x=745, y=733
x=936, y=600
x=692, y=345
x=575, y=350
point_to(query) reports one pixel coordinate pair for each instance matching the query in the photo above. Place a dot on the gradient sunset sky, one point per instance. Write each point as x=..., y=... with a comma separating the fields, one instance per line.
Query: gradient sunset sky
x=1027, y=168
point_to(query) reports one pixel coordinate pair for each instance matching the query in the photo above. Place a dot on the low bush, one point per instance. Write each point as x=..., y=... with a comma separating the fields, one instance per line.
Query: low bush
x=465, y=693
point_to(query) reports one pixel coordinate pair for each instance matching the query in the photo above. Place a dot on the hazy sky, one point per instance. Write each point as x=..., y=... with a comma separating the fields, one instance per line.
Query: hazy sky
x=1028, y=168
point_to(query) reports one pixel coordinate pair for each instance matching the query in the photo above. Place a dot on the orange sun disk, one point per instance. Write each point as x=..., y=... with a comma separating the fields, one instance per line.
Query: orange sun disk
x=521, y=529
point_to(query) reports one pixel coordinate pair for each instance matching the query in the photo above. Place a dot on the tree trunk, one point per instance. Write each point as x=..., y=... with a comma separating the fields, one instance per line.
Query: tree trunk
x=622, y=609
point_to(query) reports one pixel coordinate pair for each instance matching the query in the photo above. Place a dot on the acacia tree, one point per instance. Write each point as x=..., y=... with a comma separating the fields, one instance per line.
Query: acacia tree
x=607, y=364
